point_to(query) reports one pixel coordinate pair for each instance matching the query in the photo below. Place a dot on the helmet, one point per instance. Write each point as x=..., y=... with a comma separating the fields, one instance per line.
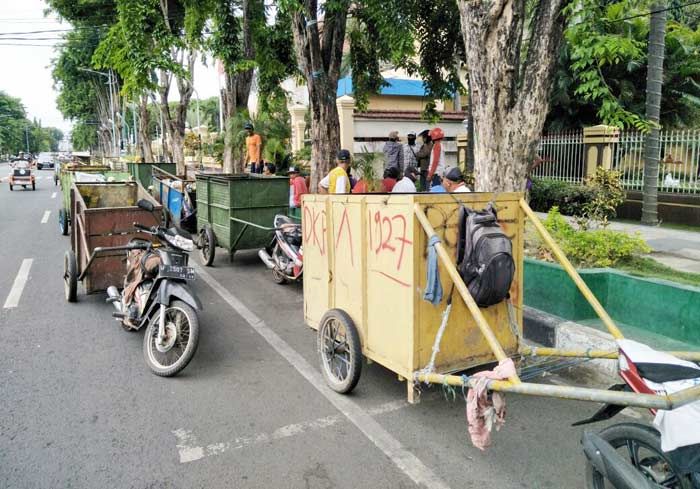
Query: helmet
x=436, y=133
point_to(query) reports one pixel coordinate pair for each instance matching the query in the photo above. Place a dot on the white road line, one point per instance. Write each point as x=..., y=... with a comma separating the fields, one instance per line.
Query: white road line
x=189, y=450
x=45, y=219
x=53, y=195
x=405, y=460
x=19, y=283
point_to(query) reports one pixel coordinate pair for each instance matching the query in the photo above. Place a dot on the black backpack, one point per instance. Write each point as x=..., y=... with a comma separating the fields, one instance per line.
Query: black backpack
x=484, y=256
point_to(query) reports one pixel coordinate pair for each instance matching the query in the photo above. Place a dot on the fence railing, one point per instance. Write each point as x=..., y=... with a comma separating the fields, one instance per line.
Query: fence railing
x=562, y=156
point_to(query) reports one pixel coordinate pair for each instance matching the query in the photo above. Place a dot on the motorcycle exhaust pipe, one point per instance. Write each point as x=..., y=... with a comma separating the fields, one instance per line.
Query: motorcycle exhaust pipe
x=266, y=258
x=115, y=297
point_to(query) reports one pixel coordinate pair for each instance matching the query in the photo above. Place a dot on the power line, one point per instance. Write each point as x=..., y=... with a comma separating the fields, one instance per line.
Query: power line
x=677, y=7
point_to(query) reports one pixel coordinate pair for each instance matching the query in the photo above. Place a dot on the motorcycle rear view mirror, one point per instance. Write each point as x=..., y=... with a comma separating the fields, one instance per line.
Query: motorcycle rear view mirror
x=146, y=205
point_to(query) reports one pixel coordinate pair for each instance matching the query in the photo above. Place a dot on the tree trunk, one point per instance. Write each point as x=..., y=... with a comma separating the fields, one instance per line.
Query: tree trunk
x=144, y=136
x=319, y=56
x=655, y=72
x=508, y=94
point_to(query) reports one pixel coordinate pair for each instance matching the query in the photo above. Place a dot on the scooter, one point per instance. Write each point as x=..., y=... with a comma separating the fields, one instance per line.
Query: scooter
x=284, y=255
x=163, y=301
x=623, y=451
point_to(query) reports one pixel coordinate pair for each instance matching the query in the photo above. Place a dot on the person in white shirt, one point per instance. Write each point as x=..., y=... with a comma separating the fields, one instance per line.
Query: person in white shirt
x=453, y=181
x=407, y=184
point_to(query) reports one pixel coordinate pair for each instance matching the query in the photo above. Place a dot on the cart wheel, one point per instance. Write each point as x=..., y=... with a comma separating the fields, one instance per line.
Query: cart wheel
x=63, y=222
x=340, y=351
x=207, y=245
x=33, y=185
x=10, y=187
x=55, y=180
x=70, y=276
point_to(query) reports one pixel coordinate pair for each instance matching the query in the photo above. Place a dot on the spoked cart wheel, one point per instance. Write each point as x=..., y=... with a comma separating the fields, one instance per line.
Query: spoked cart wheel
x=70, y=276
x=63, y=222
x=641, y=445
x=339, y=351
x=207, y=245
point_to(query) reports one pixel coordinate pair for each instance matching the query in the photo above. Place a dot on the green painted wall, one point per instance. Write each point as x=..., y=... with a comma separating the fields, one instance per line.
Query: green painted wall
x=655, y=305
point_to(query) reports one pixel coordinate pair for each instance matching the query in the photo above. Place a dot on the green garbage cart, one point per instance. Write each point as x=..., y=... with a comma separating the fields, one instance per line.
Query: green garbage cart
x=143, y=172
x=70, y=173
x=236, y=212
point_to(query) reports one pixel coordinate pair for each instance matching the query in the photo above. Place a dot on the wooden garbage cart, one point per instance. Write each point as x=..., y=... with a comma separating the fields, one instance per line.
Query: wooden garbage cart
x=104, y=217
x=236, y=212
x=365, y=264
x=72, y=172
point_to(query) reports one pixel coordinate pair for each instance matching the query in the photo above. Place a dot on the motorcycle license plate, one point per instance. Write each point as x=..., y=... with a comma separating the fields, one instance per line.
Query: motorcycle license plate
x=175, y=271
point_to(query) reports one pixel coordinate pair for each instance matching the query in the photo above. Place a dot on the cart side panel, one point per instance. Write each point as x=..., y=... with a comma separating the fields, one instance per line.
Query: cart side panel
x=388, y=239
x=317, y=274
x=203, y=218
x=346, y=239
x=463, y=345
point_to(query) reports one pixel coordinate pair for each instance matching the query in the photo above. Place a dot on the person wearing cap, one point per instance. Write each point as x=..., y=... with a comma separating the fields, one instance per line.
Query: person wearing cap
x=337, y=181
x=408, y=183
x=253, y=147
x=423, y=157
x=393, y=152
x=410, y=150
x=453, y=181
x=437, y=157
x=297, y=188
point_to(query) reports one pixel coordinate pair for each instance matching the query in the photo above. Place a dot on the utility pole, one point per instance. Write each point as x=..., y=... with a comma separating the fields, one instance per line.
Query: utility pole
x=655, y=72
x=26, y=136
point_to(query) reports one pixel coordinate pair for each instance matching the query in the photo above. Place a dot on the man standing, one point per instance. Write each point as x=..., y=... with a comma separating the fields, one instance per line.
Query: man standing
x=253, y=149
x=454, y=182
x=297, y=188
x=393, y=152
x=410, y=151
x=423, y=157
x=437, y=157
x=407, y=185
x=337, y=181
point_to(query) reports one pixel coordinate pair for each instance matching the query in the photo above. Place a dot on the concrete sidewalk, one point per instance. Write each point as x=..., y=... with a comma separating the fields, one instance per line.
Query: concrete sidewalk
x=674, y=248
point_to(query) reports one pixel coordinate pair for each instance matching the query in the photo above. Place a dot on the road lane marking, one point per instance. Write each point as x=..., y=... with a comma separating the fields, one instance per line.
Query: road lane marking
x=45, y=219
x=19, y=283
x=53, y=195
x=190, y=451
x=405, y=460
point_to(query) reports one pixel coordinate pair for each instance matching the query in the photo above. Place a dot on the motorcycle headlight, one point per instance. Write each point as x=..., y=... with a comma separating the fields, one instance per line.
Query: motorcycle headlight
x=180, y=242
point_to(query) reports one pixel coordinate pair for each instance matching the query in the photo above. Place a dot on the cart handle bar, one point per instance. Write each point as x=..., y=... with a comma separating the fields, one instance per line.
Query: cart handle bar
x=104, y=249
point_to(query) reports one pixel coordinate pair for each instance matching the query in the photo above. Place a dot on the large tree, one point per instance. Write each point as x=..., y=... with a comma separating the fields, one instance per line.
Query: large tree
x=319, y=36
x=511, y=79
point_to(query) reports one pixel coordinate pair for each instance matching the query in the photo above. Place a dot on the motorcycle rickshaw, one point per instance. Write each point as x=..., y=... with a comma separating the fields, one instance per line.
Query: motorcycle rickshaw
x=21, y=174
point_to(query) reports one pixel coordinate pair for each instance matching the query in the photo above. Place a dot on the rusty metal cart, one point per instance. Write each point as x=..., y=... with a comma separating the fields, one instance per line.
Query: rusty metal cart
x=236, y=212
x=70, y=173
x=365, y=269
x=104, y=217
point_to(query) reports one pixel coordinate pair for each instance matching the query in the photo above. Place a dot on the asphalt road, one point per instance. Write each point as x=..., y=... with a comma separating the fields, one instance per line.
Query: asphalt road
x=79, y=409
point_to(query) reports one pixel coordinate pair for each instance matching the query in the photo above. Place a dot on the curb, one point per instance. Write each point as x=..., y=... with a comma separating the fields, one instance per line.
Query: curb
x=555, y=332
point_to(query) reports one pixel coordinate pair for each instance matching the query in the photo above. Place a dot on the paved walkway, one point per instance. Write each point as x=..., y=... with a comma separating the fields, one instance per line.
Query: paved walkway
x=674, y=248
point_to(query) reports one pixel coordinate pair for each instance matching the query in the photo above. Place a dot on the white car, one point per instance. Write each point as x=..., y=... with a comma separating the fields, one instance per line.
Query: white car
x=45, y=160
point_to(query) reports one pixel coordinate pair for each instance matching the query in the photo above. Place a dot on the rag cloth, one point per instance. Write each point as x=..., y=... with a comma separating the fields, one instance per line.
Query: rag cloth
x=433, y=287
x=484, y=413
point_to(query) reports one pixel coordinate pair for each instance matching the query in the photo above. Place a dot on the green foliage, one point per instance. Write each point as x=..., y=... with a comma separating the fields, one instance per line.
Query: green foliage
x=596, y=248
x=594, y=202
x=601, y=74
x=366, y=164
x=83, y=136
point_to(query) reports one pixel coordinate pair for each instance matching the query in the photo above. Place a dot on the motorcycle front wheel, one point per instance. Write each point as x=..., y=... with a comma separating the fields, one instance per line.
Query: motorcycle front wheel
x=641, y=446
x=168, y=357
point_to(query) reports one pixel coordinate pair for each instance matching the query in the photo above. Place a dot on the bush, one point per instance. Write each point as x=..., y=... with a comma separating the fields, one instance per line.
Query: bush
x=591, y=248
x=570, y=198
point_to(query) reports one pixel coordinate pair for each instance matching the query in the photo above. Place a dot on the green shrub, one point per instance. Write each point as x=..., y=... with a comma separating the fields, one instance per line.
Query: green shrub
x=607, y=196
x=591, y=248
x=570, y=198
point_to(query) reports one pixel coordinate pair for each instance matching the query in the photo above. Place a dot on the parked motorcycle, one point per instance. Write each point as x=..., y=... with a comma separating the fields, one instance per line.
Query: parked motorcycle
x=624, y=448
x=284, y=255
x=162, y=300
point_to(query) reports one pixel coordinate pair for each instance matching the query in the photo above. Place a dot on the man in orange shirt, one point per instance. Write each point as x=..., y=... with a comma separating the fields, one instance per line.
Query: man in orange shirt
x=253, y=147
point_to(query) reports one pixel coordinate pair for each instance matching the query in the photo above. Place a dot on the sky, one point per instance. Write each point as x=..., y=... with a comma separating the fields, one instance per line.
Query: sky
x=26, y=70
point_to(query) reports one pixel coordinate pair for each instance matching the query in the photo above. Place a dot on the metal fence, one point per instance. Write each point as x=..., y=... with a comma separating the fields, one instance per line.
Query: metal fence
x=562, y=157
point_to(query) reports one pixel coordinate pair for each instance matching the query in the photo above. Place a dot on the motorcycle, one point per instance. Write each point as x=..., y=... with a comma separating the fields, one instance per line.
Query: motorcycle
x=162, y=300
x=284, y=255
x=666, y=455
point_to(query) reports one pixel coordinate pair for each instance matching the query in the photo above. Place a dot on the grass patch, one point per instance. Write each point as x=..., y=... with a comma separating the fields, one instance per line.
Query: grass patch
x=649, y=268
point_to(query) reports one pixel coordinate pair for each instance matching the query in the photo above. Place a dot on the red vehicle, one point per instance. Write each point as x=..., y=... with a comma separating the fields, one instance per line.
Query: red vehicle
x=21, y=174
